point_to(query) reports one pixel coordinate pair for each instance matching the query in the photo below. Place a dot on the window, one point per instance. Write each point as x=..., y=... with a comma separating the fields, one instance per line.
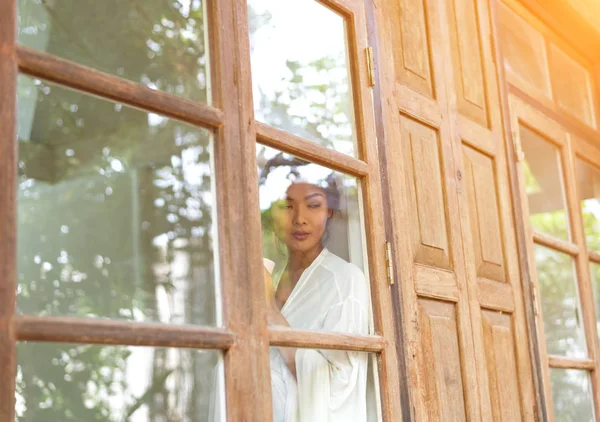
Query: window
x=135, y=281
x=552, y=177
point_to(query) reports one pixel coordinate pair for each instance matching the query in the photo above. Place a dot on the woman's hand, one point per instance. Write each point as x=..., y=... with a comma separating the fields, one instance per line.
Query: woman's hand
x=269, y=288
x=275, y=317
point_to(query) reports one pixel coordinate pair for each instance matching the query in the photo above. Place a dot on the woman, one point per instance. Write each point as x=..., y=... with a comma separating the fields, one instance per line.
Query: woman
x=316, y=291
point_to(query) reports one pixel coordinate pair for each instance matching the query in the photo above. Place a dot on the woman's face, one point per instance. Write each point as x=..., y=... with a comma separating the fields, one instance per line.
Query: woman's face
x=301, y=219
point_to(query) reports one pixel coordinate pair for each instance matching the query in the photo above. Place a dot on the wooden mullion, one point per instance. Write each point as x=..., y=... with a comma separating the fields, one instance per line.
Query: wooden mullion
x=98, y=331
x=568, y=363
x=394, y=307
x=586, y=296
x=557, y=244
x=8, y=207
x=92, y=81
x=309, y=150
x=247, y=372
x=288, y=337
x=529, y=271
x=371, y=187
x=594, y=256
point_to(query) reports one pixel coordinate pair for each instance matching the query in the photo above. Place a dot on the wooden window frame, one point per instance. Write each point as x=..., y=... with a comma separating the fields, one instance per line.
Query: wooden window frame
x=523, y=107
x=245, y=337
x=523, y=113
x=509, y=91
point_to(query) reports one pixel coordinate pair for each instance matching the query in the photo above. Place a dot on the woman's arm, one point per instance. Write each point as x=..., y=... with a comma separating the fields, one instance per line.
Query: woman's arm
x=275, y=317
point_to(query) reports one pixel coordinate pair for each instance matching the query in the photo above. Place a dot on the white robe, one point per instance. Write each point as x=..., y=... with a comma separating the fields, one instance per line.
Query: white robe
x=331, y=295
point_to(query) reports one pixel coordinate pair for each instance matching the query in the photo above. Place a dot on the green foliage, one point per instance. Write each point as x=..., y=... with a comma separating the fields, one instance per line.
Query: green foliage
x=115, y=213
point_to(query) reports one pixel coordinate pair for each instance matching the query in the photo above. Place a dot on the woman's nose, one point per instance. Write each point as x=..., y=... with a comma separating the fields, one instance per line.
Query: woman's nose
x=299, y=216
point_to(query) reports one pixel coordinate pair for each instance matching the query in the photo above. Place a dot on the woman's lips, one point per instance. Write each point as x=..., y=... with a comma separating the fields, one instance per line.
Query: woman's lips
x=300, y=235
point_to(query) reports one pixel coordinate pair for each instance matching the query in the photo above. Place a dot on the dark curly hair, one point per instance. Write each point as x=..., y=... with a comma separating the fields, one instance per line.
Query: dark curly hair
x=331, y=184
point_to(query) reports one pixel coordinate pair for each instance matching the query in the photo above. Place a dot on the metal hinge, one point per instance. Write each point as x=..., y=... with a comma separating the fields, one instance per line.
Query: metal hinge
x=370, y=66
x=389, y=262
x=519, y=154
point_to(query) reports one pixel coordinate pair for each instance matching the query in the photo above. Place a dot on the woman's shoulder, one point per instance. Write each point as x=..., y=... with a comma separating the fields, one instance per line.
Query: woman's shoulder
x=343, y=269
x=349, y=280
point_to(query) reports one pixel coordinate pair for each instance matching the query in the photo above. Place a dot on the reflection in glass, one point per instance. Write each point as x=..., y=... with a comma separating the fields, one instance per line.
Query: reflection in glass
x=560, y=303
x=324, y=385
x=301, y=84
x=115, y=211
x=58, y=382
x=543, y=185
x=588, y=178
x=572, y=395
x=312, y=233
x=159, y=43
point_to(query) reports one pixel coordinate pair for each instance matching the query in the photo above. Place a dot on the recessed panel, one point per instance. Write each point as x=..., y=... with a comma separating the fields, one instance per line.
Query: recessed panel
x=467, y=60
x=429, y=229
x=571, y=85
x=524, y=51
x=484, y=213
x=441, y=360
x=501, y=361
x=409, y=31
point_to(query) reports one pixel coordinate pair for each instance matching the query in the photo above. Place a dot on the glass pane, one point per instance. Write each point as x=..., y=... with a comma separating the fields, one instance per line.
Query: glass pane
x=595, y=271
x=162, y=44
x=324, y=385
x=560, y=303
x=313, y=245
x=115, y=211
x=301, y=83
x=588, y=178
x=544, y=187
x=572, y=395
x=59, y=382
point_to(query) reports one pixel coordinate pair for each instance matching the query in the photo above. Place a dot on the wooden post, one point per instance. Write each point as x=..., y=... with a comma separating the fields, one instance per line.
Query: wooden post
x=8, y=172
x=247, y=372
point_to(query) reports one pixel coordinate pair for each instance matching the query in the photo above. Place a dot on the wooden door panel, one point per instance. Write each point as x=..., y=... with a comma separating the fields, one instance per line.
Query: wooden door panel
x=407, y=20
x=441, y=360
x=434, y=282
x=429, y=228
x=423, y=182
x=489, y=247
x=484, y=214
x=466, y=56
x=503, y=378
